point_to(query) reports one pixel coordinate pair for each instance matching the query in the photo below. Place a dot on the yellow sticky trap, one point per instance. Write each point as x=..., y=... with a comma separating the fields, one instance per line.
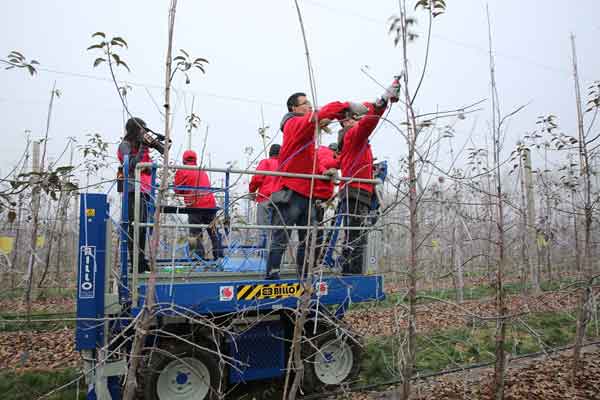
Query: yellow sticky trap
x=90, y=212
x=541, y=241
x=41, y=240
x=7, y=244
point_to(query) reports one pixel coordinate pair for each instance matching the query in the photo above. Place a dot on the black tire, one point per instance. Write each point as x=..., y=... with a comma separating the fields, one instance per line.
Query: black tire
x=315, y=353
x=191, y=360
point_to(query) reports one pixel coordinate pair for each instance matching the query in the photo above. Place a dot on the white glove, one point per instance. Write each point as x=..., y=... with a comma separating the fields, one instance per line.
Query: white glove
x=391, y=94
x=358, y=108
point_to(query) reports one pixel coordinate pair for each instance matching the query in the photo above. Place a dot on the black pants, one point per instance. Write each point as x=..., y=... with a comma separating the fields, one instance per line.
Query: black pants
x=293, y=212
x=205, y=218
x=355, y=243
x=144, y=199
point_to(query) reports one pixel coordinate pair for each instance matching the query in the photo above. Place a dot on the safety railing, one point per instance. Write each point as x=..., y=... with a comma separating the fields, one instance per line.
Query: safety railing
x=228, y=172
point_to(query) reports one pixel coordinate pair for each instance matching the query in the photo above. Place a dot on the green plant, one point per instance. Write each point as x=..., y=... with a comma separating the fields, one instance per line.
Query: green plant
x=31, y=385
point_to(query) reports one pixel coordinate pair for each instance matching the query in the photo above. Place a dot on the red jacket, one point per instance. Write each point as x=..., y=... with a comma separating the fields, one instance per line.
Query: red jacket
x=356, y=158
x=145, y=177
x=326, y=159
x=194, y=178
x=297, y=151
x=264, y=184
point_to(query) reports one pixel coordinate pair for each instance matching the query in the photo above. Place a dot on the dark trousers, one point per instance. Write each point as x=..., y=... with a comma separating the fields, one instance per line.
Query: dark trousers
x=144, y=199
x=293, y=212
x=206, y=218
x=355, y=242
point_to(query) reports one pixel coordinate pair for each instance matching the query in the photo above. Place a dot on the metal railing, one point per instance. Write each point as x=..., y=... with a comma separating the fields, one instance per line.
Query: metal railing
x=137, y=224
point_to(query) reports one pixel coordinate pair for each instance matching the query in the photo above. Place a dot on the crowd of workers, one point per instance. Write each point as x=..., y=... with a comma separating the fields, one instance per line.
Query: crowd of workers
x=285, y=201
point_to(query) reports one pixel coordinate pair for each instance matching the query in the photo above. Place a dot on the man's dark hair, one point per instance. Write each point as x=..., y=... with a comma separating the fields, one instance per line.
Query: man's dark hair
x=292, y=101
x=132, y=128
x=274, y=150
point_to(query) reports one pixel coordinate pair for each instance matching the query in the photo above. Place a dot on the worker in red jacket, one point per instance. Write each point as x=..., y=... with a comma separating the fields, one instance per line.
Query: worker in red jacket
x=263, y=185
x=202, y=200
x=293, y=197
x=324, y=190
x=356, y=161
x=328, y=165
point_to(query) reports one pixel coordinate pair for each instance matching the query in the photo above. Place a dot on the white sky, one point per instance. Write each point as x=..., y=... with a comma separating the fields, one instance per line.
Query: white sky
x=257, y=57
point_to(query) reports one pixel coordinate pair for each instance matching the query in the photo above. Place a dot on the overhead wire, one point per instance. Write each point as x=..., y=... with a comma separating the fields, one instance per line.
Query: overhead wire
x=155, y=86
x=466, y=45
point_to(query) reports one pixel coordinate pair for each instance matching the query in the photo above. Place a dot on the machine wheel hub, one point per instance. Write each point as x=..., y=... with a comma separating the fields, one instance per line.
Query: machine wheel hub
x=183, y=379
x=334, y=361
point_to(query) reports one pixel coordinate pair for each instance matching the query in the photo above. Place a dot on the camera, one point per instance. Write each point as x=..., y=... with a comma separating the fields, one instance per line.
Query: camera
x=154, y=140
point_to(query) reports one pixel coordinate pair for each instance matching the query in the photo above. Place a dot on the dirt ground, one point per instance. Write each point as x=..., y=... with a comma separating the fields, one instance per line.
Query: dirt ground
x=539, y=378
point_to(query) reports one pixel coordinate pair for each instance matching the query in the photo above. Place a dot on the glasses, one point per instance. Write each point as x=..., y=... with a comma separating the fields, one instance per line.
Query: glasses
x=306, y=103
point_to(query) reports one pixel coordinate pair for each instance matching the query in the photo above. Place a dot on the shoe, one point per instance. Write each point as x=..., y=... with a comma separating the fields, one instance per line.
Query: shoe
x=272, y=277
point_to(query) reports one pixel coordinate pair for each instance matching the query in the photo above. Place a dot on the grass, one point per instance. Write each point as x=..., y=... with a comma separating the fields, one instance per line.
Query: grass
x=470, y=293
x=459, y=347
x=31, y=385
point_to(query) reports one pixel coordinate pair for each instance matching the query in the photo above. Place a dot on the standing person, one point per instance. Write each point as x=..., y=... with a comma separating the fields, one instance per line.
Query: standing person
x=356, y=161
x=202, y=200
x=263, y=185
x=134, y=146
x=293, y=196
x=328, y=165
x=323, y=192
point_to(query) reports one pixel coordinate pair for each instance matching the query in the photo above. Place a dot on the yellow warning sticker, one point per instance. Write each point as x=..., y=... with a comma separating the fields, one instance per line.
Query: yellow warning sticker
x=272, y=291
x=90, y=212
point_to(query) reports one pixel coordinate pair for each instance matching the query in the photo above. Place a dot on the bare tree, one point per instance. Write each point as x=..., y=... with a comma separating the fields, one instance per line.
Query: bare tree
x=587, y=276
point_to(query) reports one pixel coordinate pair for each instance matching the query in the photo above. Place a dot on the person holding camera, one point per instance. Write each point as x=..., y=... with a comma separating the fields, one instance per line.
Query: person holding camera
x=136, y=145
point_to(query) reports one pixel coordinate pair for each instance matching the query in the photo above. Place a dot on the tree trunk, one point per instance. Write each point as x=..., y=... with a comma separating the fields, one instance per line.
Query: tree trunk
x=147, y=311
x=51, y=232
x=531, y=226
x=17, y=248
x=586, y=276
x=35, y=206
x=500, y=362
x=413, y=258
x=524, y=266
x=576, y=233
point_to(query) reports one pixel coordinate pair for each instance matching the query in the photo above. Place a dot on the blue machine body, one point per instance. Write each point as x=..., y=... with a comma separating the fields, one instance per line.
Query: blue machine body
x=91, y=271
x=259, y=350
x=267, y=362
x=239, y=296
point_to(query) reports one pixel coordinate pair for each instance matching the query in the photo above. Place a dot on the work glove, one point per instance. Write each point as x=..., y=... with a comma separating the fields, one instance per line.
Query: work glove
x=324, y=125
x=357, y=109
x=331, y=172
x=391, y=94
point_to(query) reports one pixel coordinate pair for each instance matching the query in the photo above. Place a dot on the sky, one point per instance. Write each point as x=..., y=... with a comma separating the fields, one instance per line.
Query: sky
x=257, y=59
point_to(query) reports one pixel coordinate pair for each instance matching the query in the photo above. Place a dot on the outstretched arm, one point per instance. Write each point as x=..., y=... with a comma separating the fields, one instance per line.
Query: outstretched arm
x=305, y=125
x=363, y=129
